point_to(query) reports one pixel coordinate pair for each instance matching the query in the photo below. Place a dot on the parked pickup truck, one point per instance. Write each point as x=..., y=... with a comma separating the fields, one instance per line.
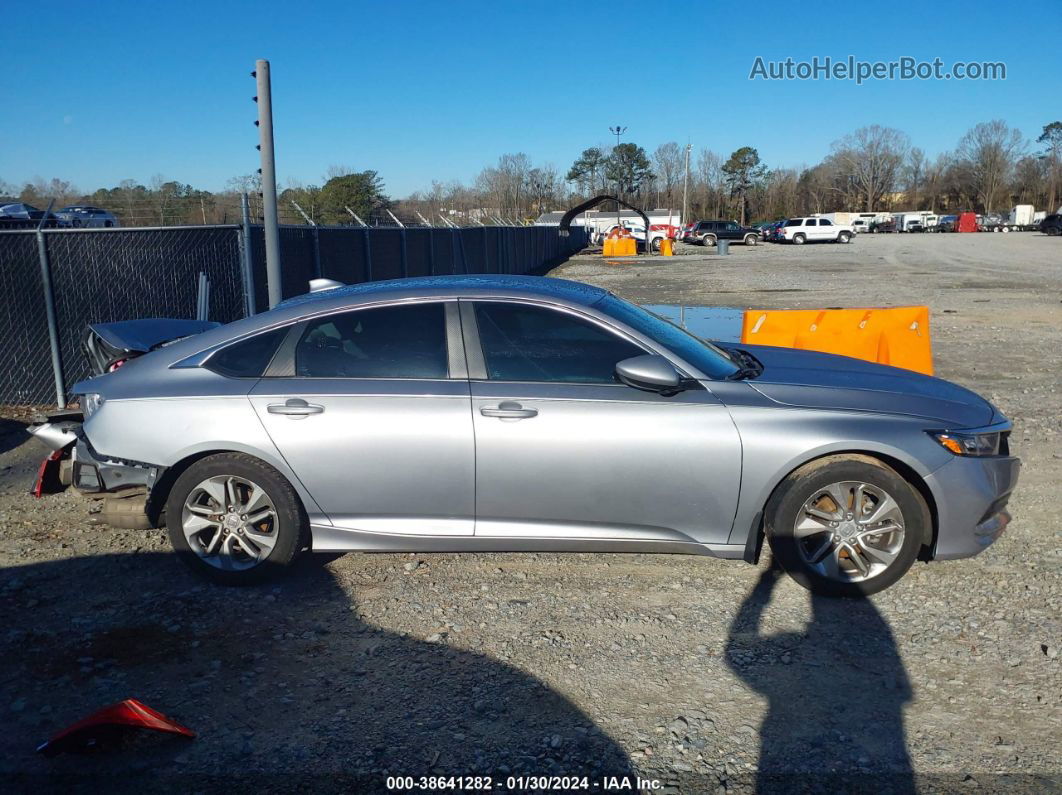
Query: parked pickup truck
x=813, y=230
x=708, y=232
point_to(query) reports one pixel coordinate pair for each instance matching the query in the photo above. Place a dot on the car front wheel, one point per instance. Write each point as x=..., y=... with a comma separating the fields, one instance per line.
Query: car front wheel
x=235, y=520
x=846, y=525
x=844, y=237
x=752, y=240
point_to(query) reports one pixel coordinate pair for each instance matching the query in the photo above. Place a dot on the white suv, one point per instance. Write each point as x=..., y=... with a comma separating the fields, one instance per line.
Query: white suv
x=810, y=230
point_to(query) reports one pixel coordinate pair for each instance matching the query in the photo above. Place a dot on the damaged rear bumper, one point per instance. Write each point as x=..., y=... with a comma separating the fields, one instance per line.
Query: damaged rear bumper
x=126, y=486
x=94, y=472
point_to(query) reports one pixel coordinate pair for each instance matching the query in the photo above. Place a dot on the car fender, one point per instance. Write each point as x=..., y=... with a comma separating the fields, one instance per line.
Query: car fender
x=168, y=431
x=771, y=450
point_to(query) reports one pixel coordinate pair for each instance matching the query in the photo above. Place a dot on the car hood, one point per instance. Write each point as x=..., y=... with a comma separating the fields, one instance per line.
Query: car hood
x=822, y=380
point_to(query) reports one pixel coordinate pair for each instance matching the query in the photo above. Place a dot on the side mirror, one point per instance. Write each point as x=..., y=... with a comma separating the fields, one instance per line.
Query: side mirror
x=650, y=372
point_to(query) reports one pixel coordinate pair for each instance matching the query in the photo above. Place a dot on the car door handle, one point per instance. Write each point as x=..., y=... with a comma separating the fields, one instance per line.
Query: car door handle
x=508, y=410
x=296, y=408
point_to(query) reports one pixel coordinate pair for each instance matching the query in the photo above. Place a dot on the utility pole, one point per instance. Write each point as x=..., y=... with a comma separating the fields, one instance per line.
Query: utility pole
x=618, y=131
x=685, y=187
x=269, y=179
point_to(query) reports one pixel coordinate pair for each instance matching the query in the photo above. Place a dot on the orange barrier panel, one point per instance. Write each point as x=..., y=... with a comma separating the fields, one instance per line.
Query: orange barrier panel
x=666, y=247
x=620, y=247
x=897, y=336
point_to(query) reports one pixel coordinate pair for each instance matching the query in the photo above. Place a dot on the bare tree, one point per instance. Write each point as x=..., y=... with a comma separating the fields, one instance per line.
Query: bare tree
x=914, y=171
x=1031, y=178
x=989, y=152
x=709, y=181
x=668, y=164
x=871, y=157
x=1052, y=136
x=818, y=186
x=336, y=170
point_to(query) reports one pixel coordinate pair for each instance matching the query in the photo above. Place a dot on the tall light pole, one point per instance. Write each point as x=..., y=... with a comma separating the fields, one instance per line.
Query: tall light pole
x=685, y=186
x=618, y=131
x=269, y=180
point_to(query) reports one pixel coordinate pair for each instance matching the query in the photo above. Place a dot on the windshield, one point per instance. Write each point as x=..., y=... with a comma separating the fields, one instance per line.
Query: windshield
x=706, y=357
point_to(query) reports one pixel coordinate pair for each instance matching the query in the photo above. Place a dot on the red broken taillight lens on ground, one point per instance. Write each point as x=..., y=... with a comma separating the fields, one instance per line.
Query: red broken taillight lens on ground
x=108, y=725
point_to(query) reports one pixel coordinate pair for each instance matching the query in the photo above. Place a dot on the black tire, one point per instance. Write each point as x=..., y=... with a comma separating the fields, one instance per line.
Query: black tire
x=656, y=243
x=844, y=237
x=290, y=525
x=752, y=240
x=788, y=499
x=799, y=239
x=708, y=240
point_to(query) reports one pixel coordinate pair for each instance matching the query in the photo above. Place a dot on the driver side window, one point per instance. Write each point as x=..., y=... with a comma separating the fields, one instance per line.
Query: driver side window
x=531, y=343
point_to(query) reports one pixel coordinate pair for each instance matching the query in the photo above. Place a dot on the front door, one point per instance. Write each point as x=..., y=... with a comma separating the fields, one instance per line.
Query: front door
x=564, y=451
x=372, y=423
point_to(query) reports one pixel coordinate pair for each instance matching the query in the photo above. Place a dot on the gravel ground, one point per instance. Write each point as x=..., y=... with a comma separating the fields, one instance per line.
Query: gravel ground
x=703, y=675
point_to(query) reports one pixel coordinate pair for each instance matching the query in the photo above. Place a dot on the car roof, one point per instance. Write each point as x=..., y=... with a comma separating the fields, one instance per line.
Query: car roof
x=425, y=286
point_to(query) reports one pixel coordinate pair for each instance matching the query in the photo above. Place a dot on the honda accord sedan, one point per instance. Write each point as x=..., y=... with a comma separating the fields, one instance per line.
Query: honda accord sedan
x=497, y=413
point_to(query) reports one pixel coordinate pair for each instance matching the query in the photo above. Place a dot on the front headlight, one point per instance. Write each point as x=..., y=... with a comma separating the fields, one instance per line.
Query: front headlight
x=90, y=403
x=971, y=444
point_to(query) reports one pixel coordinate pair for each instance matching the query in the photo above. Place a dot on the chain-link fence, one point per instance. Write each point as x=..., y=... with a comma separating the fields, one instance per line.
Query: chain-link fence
x=104, y=275
x=25, y=366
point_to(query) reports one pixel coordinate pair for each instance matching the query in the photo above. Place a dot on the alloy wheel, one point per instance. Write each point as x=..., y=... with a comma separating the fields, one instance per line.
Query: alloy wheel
x=849, y=531
x=230, y=522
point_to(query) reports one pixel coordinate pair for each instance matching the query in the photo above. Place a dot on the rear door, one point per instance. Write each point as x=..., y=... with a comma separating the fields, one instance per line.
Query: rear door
x=565, y=451
x=370, y=407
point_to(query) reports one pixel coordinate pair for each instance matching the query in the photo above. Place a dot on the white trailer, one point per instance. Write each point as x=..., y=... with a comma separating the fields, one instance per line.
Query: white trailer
x=1023, y=218
x=905, y=220
x=838, y=219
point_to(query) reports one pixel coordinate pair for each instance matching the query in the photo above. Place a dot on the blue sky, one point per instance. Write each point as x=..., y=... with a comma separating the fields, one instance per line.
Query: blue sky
x=99, y=92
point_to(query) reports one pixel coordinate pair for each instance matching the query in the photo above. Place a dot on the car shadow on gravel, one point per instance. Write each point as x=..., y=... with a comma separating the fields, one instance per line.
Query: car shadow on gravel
x=835, y=693
x=12, y=434
x=285, y=685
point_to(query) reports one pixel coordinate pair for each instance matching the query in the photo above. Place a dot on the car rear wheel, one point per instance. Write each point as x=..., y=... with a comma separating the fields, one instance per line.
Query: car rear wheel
x=708, y=240
x=799, y=239
x=235, y=520
x=656, y=243
x=846, y=525
x=752, y=240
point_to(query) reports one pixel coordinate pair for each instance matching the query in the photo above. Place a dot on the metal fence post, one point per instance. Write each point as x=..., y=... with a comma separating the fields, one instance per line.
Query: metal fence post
x=431, y=251
x=368, y=255
x=245, y=258
x=405, y=256
x=53, y=325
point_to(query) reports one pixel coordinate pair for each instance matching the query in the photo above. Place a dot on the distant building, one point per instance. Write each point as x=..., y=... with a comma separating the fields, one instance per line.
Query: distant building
x=599, y=220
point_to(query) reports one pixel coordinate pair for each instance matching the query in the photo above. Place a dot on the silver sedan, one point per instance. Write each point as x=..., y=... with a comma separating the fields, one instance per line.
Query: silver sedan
x=478, y=413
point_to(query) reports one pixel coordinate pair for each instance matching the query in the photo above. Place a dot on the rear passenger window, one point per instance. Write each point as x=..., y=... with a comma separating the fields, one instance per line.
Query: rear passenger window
x=794, y=222
x=249, y=358
x=387, y=342
x=825, y=222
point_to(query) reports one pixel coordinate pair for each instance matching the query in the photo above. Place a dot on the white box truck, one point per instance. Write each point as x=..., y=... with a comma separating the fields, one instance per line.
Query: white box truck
x=1022, y=218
